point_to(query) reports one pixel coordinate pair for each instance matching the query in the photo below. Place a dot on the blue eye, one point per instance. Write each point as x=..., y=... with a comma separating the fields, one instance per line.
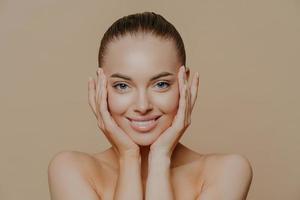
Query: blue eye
x=163, y=84
x=121, y=86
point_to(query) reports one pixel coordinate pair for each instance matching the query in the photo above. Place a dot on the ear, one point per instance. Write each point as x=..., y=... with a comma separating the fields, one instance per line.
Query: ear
x=187, y=72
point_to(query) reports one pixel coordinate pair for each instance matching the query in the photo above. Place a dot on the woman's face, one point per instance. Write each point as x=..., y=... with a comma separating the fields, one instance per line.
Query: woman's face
x=142, y=85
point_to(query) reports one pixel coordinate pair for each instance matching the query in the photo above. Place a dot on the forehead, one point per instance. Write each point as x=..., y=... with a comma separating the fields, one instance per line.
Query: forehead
x=142, y=52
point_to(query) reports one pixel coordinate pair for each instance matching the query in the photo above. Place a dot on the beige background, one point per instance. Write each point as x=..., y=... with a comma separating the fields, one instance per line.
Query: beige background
x=247, y=53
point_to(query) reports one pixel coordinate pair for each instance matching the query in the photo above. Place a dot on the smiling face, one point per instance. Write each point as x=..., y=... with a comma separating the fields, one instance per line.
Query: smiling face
x=142, y=86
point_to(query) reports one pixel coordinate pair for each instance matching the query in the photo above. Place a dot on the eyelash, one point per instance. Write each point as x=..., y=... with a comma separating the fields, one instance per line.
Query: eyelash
x=165, y=82
x=116, y=86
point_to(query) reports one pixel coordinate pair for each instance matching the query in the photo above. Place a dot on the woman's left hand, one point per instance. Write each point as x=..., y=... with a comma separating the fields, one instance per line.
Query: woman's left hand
x=168, y=140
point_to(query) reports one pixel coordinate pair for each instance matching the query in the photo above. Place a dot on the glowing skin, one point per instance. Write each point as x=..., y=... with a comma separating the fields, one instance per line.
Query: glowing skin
x=141, y=58
x=144, y=81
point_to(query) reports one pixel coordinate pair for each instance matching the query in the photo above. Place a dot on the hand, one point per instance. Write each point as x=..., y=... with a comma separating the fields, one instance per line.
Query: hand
x=97, y=93
x=168, y=140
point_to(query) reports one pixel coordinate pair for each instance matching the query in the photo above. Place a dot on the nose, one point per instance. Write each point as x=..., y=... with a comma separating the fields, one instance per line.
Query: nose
x=143, y=104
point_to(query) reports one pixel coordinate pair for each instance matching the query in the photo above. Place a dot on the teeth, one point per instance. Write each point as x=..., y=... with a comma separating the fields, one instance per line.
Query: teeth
x=142, y=123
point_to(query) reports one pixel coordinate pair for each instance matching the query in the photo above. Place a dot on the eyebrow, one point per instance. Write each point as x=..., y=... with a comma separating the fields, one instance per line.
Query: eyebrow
x=162, y=74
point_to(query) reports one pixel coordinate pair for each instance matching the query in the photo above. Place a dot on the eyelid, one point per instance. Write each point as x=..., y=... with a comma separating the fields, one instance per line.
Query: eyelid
x=168, y=82
x=120, y=82
x=162, y=81
x=116, y=84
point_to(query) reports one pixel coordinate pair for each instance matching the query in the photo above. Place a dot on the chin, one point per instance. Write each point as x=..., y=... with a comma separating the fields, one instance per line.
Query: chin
x=144, y=139
x=144, y=144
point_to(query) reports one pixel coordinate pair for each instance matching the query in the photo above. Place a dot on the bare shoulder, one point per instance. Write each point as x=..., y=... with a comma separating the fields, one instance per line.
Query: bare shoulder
x=75, y=159
x=70, y=175
x=229, y=174
x=225, y=163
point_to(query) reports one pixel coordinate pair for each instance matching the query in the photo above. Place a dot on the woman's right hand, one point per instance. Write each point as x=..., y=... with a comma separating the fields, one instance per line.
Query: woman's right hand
x=97, y=96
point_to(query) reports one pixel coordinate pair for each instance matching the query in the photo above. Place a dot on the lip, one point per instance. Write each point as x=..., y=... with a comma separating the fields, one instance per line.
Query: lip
x=146, y=118
x=143, y=124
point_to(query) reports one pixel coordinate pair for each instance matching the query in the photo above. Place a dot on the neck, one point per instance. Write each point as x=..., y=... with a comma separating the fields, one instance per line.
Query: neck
x=144, y=151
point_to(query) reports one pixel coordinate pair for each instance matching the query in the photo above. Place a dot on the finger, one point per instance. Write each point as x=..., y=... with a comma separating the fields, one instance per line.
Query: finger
x=194, y=89
x=180, y=116
x=98, y=100
x=187, y=97
x=103, y=105
x=92, y=101
x=183, y=110
x=97, y=84
x=187, y=100
x=188, y=107
x=91, y=95
x=110, y=125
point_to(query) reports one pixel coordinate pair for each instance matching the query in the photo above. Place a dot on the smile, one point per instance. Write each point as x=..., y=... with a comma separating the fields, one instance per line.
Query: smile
x=143, y=125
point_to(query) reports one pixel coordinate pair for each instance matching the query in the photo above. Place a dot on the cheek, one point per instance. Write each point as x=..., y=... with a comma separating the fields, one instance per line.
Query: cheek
x=117, y=104
x=168, y=102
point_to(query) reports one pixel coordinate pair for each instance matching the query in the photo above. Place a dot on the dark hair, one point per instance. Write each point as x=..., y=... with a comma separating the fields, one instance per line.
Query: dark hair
x=146, y=22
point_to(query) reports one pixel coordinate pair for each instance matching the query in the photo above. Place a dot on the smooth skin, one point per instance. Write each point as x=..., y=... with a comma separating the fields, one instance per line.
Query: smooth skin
x=148, y=166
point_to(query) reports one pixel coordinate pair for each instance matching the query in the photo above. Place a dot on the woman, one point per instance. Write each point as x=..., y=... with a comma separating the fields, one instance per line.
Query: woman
x=143, y=100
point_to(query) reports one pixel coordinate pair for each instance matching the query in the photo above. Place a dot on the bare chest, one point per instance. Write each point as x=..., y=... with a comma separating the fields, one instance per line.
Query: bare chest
x=184, y=181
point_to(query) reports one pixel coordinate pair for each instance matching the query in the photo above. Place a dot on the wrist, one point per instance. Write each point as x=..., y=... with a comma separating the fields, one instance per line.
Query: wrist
x=131, y=153
x=130, y=157
x=159, y=153
x=159, y=159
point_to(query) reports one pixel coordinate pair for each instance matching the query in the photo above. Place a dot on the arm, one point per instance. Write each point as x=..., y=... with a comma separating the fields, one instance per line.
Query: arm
x=159, y=180
x=158, y=184
x=231, y=180
x=67, y=180
x=129, y=185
